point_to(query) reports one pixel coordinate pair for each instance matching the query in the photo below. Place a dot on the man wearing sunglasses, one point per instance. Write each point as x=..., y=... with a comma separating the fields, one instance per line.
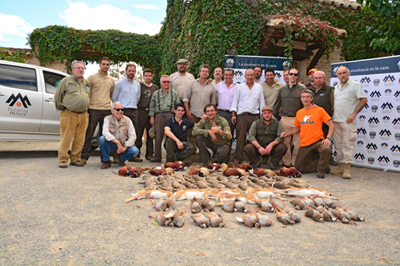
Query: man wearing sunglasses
x=118, y=136
x=287, y=104
x=162, y=107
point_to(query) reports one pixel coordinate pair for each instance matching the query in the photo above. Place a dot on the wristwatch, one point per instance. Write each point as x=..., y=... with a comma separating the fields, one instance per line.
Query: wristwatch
x=331, y=140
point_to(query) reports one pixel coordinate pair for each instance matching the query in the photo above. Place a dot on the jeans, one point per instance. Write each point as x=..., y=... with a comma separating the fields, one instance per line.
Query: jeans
x=108, y=146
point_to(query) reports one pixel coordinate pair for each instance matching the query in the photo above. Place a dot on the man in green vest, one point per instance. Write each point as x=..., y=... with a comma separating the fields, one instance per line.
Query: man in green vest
x=265, y=140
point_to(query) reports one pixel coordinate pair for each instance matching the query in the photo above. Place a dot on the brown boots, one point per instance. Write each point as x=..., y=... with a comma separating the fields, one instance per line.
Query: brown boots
x=343, y=170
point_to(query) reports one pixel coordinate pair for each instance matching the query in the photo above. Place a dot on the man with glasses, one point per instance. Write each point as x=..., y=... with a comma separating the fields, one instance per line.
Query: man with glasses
x=162, y=107
x=127, y=92
x=118, y=136
x=287, y=104
x=308, y=123
x=181, y=78
x=101, y=89
x=72, y=98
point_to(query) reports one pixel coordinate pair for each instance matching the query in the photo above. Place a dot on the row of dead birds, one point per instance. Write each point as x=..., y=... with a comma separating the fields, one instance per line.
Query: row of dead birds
x=233, y=188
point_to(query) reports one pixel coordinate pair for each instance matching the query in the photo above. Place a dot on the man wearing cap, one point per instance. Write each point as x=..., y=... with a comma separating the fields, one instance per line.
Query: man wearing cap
x=350, y=99
x=310, y=84
x=288, y=101
x=265, y=140
x=181, y=78
x=270, y=86
x=309, y=122
x=247, y=104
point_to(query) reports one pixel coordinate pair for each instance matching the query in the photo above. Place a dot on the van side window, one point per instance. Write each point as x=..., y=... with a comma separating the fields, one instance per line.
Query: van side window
x=18, y=77
x=52, y=80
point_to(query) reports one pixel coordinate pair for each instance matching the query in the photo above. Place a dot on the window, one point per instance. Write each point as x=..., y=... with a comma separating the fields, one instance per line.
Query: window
x=52, y=80
x=18, y=77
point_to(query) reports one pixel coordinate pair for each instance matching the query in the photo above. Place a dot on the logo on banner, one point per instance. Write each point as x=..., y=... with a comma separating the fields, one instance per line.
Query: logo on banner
x=238, y=73
x=384, y=145
x=397, y=95
x=362, y=118
x=385, y=134
x=387, y=107
x=383, y=160
x=389, y=80
x=359, y=157
x=374, y=108
x=396, y=163
x=376, y=82
x=373, y=122
x=396, y=123
x=388, y=91
x=386, y=119
x=398, y=108
x=398, y=64
x=397, y=136
x=335, y=83
x=361, y=132
x=371, y=148
x=395, y=149
x=371, y=160
x=372, y=134
x=365, y=81
x=286, y=64
x=360, y=143
x=365, y=109
x=375, y=95
x=335, y=70
x=278, y=75
x=230, y=62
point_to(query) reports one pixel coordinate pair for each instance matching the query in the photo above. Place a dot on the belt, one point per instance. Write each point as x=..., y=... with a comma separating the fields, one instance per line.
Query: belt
x=131, y=109
x=226, y=111
x=74, y=111
x=247, y=113
x=143, y=108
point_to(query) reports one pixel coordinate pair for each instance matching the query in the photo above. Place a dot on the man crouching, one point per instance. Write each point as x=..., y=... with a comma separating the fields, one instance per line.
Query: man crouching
x=309, y=121
x=118, y=135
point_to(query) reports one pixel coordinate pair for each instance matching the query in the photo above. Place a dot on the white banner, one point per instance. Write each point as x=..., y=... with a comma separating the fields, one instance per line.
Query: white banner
x=378, y=124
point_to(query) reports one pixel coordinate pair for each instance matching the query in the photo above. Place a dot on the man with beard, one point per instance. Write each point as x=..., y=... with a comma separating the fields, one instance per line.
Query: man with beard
x=146, y=91
x=270, y=87
x=258, y=73
x=101, y=89
x=127, y=92
x=309, y=122
x=181, y=78
x=213, y=133
x=310, y=84
x=350, y=99
x=265, y=140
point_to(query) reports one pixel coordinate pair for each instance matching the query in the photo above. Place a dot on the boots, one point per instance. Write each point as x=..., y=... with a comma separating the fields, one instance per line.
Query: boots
x=340, y=170
x=346, y=172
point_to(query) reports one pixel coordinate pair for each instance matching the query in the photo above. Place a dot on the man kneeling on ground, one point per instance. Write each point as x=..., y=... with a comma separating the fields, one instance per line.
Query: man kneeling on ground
x=265, y=140
x=309, y=121
x=214, y=133
x=118, y=135
x=176, y=129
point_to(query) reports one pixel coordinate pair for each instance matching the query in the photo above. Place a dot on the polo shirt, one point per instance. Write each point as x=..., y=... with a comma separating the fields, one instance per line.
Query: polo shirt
x=179, y=130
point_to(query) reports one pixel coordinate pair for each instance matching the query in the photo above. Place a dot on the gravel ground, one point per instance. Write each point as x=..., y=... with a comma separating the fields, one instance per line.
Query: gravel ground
x=75, y=216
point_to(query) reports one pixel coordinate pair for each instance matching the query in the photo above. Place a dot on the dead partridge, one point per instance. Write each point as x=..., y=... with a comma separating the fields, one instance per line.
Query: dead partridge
x=207, y=205
x=315, y=215
x=229, y=206
x=195, y=206
x=298, y=204
x=249, y=219
x=160, y=205
x=282, y=216
x=179, y=218
x=294, y=216
x=201, y=220
x=164, y=219
x=264, y=205
x=354, y=216
x=215, y=219
x=264, y=220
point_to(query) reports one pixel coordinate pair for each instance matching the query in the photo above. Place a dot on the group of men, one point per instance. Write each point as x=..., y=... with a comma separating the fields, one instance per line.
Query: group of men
x=275, y=124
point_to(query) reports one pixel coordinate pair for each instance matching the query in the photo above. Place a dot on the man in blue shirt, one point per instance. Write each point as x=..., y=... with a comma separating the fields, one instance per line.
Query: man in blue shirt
x=127, y=92
x=176, y=129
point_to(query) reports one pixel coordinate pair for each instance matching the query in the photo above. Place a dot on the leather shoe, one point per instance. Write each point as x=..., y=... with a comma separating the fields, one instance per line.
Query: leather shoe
x=105, y=165
x=63, y=164
x=136, y=159
x=77, y=163
x=155, y=160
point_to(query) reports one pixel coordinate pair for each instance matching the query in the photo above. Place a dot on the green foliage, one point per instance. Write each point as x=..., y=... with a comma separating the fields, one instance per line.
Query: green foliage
x=62, y=43
x=385, y=35
x=14, y=56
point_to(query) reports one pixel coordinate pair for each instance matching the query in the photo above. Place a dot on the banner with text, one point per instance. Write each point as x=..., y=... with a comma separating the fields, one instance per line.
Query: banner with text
x=241, y=63
x=378, y=124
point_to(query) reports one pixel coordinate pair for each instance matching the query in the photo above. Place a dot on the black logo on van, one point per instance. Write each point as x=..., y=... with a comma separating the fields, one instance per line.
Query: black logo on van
x=23, y=100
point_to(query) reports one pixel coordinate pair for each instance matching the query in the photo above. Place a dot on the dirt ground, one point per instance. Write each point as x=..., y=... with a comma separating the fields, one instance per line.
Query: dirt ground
x=75, y=216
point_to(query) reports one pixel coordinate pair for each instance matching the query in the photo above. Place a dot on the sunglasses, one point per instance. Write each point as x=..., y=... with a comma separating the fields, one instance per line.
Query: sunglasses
x=293, y=74
x=165, y=81
x=119, y=109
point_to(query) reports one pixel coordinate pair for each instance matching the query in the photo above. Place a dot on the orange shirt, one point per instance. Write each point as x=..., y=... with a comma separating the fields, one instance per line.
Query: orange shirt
x=310, y=123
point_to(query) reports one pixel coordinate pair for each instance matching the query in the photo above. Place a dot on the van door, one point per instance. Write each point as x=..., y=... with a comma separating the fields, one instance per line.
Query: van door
x=20, y=100
x=51, y=116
